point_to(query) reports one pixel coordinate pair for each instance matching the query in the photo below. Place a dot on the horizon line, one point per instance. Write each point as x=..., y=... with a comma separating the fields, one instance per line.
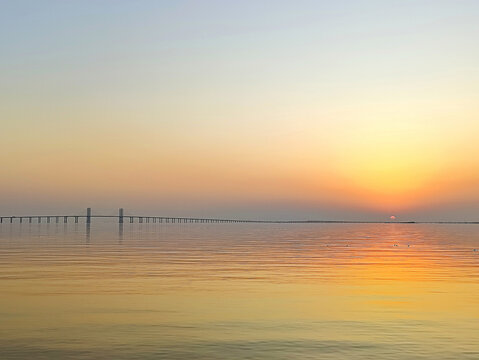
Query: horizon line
x=182, y=219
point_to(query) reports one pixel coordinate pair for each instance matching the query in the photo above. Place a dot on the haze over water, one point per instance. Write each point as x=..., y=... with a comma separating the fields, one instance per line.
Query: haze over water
x=239, y=291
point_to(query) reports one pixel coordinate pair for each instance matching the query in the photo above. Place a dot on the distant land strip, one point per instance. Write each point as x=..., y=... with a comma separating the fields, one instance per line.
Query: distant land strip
x=168, y=219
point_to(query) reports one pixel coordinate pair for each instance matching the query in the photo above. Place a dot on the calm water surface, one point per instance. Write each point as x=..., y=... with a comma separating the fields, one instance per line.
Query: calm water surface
x=239, y=291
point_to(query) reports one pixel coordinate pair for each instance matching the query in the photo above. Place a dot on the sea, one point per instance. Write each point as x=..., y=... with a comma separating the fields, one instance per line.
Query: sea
x=239, y=291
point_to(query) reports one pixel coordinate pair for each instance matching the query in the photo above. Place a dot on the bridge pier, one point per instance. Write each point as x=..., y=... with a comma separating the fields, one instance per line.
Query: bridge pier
x=39, y=219
x=65, y=219
x=48, y=219
x=120, y=216
x=11, y=219
x=57, y=219
x=76, y=219
x=21, y=220
x=131, y=220
x=30, y=220
x=88, y=215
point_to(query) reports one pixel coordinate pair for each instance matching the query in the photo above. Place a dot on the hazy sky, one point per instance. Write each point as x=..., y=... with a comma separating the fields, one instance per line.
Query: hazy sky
x=276, y=109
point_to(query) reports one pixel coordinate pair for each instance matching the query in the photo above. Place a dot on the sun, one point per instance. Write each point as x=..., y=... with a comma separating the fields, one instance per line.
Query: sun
x=392, y=217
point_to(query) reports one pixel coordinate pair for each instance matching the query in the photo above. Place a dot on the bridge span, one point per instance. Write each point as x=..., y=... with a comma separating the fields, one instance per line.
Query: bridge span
x=121, y=217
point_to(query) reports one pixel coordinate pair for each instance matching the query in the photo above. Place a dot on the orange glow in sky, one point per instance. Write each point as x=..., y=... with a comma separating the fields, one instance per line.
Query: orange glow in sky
x=297, y=114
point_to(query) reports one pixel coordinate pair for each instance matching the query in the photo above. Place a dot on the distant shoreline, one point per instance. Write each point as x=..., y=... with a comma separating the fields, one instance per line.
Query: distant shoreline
x=162, y=219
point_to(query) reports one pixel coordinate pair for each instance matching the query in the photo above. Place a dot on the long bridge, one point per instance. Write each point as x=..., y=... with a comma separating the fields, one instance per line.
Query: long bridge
x=167, y=219
x=120, y=217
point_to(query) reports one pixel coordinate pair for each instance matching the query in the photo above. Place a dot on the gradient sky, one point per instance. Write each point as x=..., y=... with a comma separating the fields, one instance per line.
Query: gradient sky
x=275, y=109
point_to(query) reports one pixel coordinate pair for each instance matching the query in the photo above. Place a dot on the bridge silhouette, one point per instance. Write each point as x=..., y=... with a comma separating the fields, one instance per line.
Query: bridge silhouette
x=121, y=219
x=168, y=219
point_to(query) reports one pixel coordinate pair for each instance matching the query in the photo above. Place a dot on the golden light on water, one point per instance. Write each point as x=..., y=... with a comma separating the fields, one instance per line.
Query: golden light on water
x=210, y=289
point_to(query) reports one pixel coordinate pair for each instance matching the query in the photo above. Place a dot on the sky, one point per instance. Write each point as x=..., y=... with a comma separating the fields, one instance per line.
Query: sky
x=351, y=110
